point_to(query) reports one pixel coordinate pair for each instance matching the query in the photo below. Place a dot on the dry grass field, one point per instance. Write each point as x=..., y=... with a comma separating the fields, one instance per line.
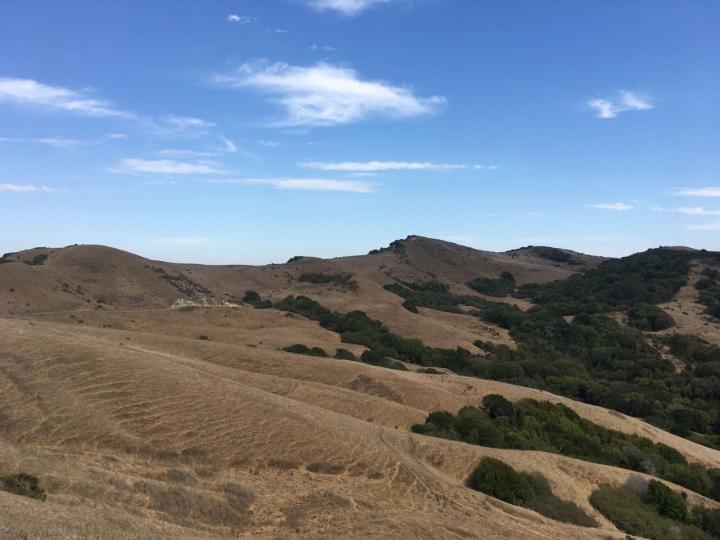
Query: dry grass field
x=143, y=421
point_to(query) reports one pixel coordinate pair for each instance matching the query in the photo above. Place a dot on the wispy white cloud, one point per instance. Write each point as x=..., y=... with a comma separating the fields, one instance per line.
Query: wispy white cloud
x=65, y=143
x=712, y=226
x=305, y=184
x=30, y=93
x=624, y=101
x=377, y=166
x=713, y=191
x=346, y=7
x=618, y=206
x=270, y=144
x=183, y=241
x=326, y=48
x=182, y=153
x=327, y=95
x=165, y=166
x=183, y=126
x=228, y=145
x=241, y=19
x=697, y=211
x=159, y=182
x=29, y=188
x=60, y=142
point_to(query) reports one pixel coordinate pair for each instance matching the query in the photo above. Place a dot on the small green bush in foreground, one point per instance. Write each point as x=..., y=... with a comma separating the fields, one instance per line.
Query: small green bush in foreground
x=23, y=484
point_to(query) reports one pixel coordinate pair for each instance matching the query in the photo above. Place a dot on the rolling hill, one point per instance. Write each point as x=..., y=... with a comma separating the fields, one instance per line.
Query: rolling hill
x=155, y=399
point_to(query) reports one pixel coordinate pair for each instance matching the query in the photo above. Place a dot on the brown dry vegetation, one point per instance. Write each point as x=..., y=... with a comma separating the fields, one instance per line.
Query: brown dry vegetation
x=137, y=428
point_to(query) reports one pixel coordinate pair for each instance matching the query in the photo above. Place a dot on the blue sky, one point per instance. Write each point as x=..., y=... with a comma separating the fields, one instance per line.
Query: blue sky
x=249, y=131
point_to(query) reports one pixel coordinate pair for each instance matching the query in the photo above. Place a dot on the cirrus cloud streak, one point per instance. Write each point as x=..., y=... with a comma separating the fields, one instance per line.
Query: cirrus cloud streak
x=305, y=184
x=378, y=166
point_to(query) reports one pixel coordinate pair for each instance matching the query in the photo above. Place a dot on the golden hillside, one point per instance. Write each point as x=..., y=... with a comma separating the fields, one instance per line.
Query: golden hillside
x=144, y=417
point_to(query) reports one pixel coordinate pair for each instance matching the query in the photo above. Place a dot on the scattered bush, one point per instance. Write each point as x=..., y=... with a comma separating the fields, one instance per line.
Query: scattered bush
x=500, y=287
x=496, y=406
x=709, y=288
x=551, y=254
x=377, y=359
x=254, y=299
x=23, y=484
x=299, y=348
x=707, y=519
x=648, y=317
x=501, y=481
x=344, y=354
x=251, y=297
x=38, y=259
x=430, y=371
x=591, y=358
x=666, y=501
x=549, y=427
x=430, y=294
x=357, y=328
x=342, y=280
x=630, y=514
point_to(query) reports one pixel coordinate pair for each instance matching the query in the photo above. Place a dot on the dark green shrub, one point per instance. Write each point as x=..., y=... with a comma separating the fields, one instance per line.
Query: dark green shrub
x=704, y=284
x=343, y=280
x=38, y=259
x=254, y=299
x=23, y=484
x=500, y=287
x=430, y=371
x=344, y=354
x=299, y=348
x=708, y=520
x=499, y=480
x=648, y=317
x=377, y=359
x=251, y=297
x=429, y=294
x=631, y=515
x=666, y=501
x=496, y=406
x=551, y=254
